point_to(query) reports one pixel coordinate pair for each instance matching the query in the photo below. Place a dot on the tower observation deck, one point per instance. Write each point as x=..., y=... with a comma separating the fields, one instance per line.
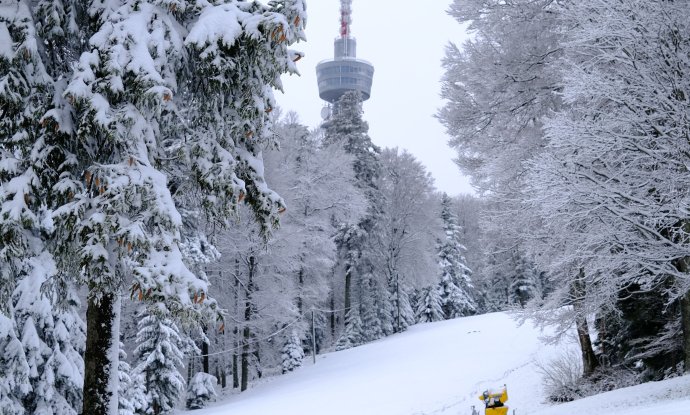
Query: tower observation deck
x=344, y=72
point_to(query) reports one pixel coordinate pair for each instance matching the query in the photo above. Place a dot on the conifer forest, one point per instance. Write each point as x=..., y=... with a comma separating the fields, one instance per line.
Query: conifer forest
x=170, y=236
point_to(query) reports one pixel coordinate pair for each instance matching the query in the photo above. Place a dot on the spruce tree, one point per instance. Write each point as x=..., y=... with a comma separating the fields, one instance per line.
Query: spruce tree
x=429, y=307
x=524, y=284
x=25, y=87
x=347, y=127
x=200, y=390
x=456, y=286
x=14, y=369
x=53, y=340
x=375, y=310
x=102, y=149
x=137, y=125
x=292, y=353
x=352, y=336
x=125, y=385
x=158, y=357
x=403, y=314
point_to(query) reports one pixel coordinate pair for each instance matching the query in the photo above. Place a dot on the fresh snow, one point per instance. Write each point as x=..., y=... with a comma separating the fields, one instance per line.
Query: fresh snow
x=434, y=368
x=670, y=397
x=440, y=369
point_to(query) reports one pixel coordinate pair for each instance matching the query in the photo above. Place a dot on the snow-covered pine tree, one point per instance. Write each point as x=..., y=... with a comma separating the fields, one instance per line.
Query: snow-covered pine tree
x=525, y=282
x=120, y=130
x=14, y=369
x=23, y=81
x=455, y=285
x=403, y=314
x=158, y=357
x=429, y=305
x=126, y=386
x=347, y=128
x=53, y=340
x=292, y=354
x=352, y=335
x=53, y=357
x=372, y=308
x=493, y=283
x=69, y=342
x=201, y=390
x=46, y=315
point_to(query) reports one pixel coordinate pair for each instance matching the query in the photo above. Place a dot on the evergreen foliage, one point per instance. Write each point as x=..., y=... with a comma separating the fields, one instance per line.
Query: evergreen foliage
x=355, y=242
x=126, y=386
x=292, y=354
x=641, y=332
x=525, y=282
x=52, y=334
x=401, y=308
x=201, y=390
x=23, y=90
x=158, y=358
x=14, y=369
x=456, y=288
x=352, y=336
x=375, y=310
x=429, y=308
x=349, y=128
x=98, y=146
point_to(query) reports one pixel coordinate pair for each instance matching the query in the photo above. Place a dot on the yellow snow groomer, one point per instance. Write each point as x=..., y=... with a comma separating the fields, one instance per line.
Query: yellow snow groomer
x=495, y=401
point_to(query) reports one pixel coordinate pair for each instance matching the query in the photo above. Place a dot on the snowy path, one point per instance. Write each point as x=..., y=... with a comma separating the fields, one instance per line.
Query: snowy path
x=437, y=369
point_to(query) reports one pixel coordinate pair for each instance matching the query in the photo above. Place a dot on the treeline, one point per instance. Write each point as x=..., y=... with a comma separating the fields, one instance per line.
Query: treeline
x=572, y=118
x=366, y=248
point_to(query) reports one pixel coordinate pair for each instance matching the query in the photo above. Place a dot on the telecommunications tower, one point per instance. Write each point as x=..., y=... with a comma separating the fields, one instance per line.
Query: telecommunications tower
x=344, y=72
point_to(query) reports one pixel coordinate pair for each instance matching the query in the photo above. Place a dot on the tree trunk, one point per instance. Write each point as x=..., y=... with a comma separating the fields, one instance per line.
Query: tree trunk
x=348, y=289
x=102, y=332
x=332, y=314
x=685, y=319
x=235, y=330
x=245, y=360
x=235, y=372
x=246, y=333
x=300, y=281
x=257, y=356
x=204, y=352
x=397, y=300
x=589, y=358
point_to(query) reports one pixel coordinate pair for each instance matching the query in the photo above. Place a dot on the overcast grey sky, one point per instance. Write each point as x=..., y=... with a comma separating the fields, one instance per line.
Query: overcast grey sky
x=405, y=41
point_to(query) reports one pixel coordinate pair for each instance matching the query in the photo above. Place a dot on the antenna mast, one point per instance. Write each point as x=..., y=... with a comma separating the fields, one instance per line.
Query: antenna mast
x=345, y=17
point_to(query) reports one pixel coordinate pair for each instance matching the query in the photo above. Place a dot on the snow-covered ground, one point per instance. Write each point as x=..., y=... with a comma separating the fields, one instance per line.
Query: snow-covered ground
x=441, y=368
x=670, y=397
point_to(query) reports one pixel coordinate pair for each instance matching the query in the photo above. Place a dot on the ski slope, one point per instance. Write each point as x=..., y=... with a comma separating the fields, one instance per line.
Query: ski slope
x=440, y=369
